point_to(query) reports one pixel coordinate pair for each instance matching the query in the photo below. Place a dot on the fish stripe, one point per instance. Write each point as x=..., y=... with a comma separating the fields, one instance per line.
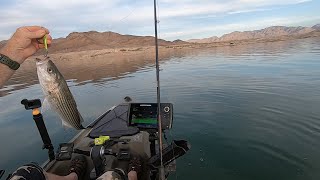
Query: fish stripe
x=72, y=112
x=60, y=105
x=65, y=109
x=57, y=105
x=68, y=111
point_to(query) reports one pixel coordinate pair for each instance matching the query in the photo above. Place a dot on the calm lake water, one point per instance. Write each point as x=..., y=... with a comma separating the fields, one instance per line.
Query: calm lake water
x=250, y=111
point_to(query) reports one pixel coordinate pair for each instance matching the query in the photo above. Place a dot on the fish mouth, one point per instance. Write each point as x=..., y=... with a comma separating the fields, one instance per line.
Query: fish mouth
x=40, y=61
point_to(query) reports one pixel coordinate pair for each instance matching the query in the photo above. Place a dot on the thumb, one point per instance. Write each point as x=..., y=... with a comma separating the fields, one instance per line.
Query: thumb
x=36, y=34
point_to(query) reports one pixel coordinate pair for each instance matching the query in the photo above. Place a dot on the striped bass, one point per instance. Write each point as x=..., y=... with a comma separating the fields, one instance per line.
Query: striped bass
x=57, y=94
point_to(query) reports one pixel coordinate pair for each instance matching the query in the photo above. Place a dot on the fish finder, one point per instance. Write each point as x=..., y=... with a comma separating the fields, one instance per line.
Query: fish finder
x=144, y=115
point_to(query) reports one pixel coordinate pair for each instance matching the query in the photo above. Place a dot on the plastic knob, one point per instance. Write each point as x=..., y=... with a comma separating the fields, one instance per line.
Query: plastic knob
x=166, y=109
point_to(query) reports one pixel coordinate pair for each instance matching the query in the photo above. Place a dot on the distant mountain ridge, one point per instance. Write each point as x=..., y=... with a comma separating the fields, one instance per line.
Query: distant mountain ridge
x=317, y=27
x=93, y=40
x=266, y=33
x=204, y=40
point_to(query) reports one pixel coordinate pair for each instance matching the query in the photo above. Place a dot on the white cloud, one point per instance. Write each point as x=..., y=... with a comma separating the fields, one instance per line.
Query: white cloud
x=124, y=16
x=249, y=10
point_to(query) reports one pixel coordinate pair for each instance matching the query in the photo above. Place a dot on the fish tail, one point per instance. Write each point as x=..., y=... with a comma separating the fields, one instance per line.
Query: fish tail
x=81, y=121
x=81, y=127
x=81, y=118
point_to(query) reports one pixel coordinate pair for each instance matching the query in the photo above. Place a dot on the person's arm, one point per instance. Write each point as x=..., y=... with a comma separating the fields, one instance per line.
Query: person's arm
x=23, y=44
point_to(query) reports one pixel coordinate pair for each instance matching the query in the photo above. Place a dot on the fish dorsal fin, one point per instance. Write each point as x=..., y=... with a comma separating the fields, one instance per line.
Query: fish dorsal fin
x=45, y=105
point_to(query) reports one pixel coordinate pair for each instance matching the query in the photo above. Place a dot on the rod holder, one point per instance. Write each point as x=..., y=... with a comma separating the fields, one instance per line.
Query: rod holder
x=34, y=105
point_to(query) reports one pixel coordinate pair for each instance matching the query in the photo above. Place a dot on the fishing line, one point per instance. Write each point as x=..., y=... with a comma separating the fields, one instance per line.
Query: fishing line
x=128, y=14
x=158, y=22
x=125, y=17
x=159, y=34
x=116, y=116
x=109, y=29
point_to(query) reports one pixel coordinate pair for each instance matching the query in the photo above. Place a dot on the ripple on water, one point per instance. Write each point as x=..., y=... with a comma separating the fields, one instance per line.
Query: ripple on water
x=280, y=154
x=305, y=128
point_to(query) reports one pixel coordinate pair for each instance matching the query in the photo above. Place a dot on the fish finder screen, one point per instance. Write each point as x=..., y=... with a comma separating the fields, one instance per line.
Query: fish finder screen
x=143, y=115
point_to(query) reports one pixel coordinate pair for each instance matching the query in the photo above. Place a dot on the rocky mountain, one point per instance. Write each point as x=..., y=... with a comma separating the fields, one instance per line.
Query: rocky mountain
x=266, y=33
x=317, y=27
x=205, y=40
x=93, y=40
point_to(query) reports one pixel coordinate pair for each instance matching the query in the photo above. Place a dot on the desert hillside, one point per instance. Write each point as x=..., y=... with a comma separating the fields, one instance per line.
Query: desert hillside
x=266, y=33
x=93, y=40
x=114, y=42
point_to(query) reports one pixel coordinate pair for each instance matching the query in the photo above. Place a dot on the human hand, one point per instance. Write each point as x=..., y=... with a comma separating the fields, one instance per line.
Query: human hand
x=24, y=43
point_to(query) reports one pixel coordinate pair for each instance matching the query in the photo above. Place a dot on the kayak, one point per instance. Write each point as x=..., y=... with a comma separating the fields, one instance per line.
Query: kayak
x=123, y=131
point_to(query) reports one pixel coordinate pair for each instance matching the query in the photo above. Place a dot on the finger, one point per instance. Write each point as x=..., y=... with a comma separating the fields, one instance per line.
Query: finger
x=49, y=37
x=36, y=28
x=40, y=40
x=35, y=44
x=49, y=40
x=36, y=34
x=40, y=46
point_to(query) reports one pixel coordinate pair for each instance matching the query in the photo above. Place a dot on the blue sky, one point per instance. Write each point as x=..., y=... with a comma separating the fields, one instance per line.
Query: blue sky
x=179, y=19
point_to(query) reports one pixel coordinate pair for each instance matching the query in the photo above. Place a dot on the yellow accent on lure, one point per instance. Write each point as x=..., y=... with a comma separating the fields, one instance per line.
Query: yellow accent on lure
x=45, y=42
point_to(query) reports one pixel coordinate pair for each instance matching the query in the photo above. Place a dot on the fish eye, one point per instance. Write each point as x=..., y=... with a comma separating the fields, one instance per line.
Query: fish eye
x=49, y=70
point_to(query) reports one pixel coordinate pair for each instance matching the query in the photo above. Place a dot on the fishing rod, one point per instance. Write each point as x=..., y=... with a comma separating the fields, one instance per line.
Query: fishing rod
x=161, y=169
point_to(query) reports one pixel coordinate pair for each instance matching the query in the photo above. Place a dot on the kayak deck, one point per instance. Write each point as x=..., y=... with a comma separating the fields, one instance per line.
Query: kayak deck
x=113, y=123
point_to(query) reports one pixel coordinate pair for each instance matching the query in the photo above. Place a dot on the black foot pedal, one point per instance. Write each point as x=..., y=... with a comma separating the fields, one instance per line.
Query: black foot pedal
x=124, y=154
x=170, y=153
x=65, y=151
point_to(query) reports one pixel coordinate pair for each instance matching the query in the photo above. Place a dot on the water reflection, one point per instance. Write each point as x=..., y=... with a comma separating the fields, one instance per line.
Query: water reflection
x=100, y=66
x=94, y=67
